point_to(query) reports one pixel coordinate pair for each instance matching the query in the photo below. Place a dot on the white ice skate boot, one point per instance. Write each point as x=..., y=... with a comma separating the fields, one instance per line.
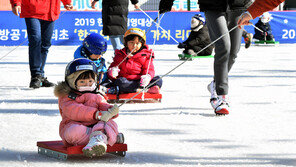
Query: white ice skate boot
x=222, y=105
x=97, y=145
x=212, y=90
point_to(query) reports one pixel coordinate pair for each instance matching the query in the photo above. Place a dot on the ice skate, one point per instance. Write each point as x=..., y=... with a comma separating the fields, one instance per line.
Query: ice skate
x=96, y=146
x=212, y=90
x=222, y=105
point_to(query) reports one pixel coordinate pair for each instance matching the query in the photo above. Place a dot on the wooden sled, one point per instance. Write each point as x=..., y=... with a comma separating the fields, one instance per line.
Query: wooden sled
x=187, y=56
x=56, y=149
x=148, y=98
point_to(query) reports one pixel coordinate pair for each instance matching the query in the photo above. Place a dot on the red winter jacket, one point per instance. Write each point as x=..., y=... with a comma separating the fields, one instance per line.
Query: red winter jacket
x=136, y=66
x=48, y=10
x=261, y=6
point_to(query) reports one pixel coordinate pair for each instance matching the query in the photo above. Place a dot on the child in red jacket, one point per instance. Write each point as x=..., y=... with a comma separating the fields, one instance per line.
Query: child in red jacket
x=132, y=68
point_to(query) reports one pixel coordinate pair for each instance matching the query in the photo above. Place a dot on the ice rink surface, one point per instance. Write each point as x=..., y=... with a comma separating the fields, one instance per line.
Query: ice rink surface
x=182, y=130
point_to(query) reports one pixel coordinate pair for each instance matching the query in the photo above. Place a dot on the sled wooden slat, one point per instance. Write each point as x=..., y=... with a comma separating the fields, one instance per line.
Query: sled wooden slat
x=148, y=97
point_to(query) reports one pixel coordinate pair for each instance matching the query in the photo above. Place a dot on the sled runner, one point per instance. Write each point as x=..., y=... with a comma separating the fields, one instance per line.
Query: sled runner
x=140, y=98
x=187, y=56
x=266, y=43
x=56, y=149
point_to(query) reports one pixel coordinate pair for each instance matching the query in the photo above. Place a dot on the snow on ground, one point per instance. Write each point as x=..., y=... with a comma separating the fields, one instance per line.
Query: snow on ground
x=182, y=130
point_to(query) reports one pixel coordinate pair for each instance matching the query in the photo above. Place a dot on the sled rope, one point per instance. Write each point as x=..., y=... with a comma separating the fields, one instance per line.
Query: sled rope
x=257, y=28
x=150, y=58
x=260, y=31
x=14, y=49
x=140, y=41
x=180, y=64
x=159, y=26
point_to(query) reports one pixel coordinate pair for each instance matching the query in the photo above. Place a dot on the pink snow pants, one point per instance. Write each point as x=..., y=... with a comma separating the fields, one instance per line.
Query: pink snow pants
x=78, y=134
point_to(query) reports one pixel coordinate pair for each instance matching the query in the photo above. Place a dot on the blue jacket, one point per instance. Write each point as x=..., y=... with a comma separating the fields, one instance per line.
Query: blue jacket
x=100, y=63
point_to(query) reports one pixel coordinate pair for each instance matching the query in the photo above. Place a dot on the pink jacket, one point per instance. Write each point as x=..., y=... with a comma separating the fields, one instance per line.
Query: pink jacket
x=261, y=6
x=81, y=110
x=136, y=66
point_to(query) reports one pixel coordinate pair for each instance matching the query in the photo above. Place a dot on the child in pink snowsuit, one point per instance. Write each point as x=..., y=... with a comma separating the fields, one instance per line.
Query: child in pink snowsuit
x=86, y=116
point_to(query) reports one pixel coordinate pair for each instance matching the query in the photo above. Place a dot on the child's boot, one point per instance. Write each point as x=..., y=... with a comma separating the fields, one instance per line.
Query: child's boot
x=97, y=145
x=154, y=90
x=222, y=105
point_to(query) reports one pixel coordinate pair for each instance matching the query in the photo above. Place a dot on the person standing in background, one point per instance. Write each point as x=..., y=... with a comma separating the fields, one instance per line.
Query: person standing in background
x=114, y=15
x=40, y=17
x=221, y=17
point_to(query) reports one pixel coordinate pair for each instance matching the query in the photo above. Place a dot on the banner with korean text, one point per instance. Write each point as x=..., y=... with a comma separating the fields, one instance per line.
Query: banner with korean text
x=72, y=27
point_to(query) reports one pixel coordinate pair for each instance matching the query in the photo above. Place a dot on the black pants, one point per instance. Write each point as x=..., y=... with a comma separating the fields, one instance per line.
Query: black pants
x=39, y=36
x=226, y=48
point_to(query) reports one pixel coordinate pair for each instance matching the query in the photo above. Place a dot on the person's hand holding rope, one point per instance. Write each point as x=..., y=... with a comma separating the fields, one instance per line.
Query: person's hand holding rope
x=16, y=10
x=244, y=19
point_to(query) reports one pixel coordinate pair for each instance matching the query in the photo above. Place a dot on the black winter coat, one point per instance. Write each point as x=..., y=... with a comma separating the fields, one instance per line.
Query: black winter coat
x=198, y=40
x=114, y=15
x=221, y=5
x=266, y=28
